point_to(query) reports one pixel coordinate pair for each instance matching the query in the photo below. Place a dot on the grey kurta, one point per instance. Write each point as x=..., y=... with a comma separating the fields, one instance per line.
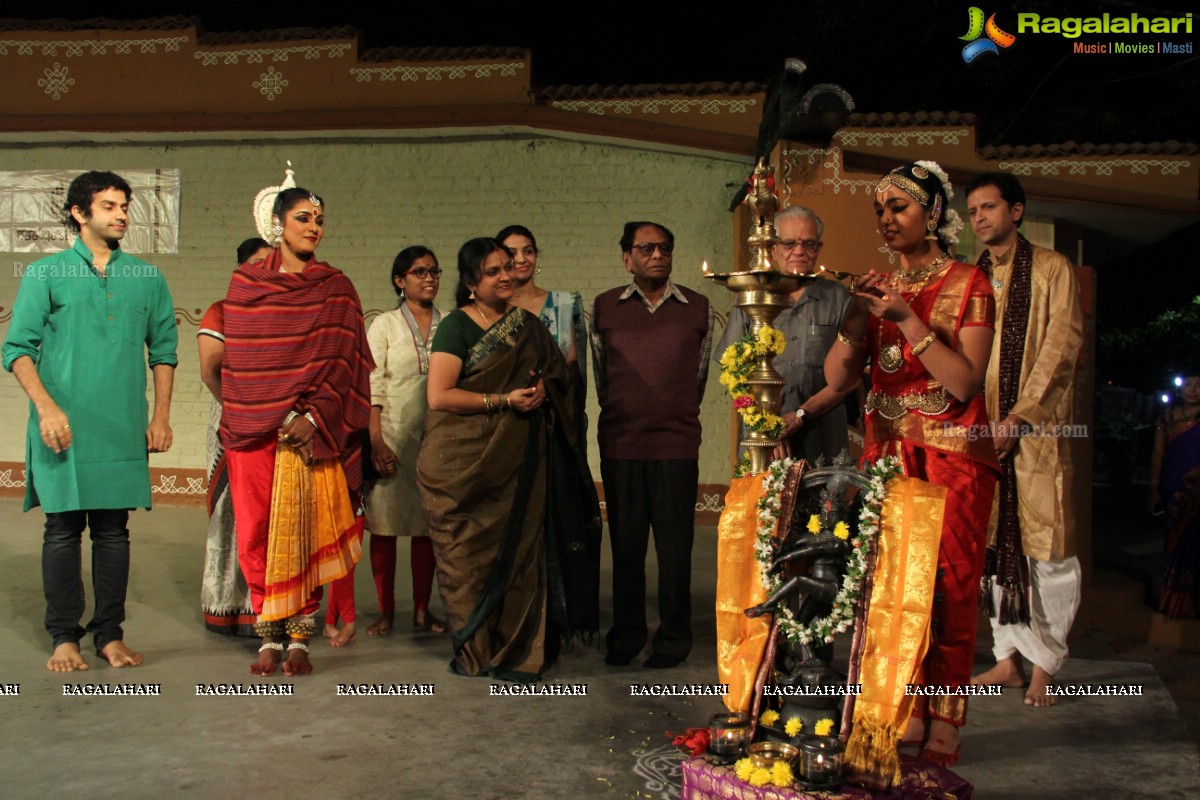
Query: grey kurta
x=810, y=327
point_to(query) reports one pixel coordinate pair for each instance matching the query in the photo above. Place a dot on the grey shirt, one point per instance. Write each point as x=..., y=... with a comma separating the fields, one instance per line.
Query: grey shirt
x=810, y=327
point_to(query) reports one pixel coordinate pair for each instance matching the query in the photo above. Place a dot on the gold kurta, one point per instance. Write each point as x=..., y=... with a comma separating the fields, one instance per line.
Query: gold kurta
x=1046, y=459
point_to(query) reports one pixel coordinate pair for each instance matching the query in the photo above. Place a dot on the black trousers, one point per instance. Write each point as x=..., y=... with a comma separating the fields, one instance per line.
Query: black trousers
x=62, y=578
x=640, y=495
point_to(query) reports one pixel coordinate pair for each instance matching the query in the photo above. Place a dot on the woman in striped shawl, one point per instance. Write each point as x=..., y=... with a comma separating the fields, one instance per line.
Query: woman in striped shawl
x=296, y=385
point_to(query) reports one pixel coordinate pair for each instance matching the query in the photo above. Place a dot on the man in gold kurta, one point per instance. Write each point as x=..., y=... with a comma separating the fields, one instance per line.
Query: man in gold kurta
x=1030, y=395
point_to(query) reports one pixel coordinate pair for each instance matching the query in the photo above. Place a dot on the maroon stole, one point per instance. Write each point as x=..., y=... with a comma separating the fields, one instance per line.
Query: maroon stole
x=1006, y=559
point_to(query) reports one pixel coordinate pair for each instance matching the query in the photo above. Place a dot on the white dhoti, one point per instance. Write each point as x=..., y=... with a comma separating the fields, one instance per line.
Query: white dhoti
x=1055, y=599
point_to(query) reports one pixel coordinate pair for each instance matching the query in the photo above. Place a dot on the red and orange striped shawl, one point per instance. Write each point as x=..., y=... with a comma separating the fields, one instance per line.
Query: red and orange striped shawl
x=296, y=341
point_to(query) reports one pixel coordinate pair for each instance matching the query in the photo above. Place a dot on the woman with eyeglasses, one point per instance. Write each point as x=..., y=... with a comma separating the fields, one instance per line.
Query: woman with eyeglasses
x=400, y=342
x=497, y=390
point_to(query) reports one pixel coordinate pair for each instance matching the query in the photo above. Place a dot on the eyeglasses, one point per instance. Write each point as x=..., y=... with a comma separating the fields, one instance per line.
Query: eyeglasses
x=647, y=248
x=422, y=273
x=811, y=246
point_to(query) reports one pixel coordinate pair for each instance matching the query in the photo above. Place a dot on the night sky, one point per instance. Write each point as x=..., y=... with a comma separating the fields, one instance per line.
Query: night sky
x=890, y=56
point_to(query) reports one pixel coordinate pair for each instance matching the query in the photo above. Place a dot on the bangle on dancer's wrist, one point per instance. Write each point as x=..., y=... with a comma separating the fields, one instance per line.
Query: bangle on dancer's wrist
x=923, y=345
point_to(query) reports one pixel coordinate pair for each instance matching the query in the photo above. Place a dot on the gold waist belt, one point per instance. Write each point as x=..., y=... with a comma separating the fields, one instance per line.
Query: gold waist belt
x=896, y=406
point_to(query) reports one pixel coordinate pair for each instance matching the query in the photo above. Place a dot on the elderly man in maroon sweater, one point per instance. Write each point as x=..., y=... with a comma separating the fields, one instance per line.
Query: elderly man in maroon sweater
x=650, y=342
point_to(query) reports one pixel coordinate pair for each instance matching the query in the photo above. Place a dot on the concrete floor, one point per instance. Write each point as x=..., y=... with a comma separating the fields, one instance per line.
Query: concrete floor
x=462, y=742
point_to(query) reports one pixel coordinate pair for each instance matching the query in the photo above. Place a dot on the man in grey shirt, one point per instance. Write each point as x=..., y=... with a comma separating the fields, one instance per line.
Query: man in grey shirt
x=813, y=414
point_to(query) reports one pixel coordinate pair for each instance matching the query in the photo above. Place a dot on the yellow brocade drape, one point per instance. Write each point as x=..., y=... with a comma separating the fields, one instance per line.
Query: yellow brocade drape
x=310, y=542
x=897, y=621
x=740, y=640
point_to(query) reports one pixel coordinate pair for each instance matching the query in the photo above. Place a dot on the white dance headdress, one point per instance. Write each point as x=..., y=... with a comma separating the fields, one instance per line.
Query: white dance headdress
x=264, y=207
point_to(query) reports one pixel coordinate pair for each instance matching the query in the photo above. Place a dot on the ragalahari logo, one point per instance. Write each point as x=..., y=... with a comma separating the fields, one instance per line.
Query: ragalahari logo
x=996, y=38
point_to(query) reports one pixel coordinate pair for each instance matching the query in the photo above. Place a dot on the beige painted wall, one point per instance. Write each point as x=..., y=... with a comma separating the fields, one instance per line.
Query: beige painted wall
x=384, y=194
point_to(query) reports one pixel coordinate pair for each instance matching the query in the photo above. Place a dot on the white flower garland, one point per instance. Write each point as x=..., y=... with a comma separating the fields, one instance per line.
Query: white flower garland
x=841, y=616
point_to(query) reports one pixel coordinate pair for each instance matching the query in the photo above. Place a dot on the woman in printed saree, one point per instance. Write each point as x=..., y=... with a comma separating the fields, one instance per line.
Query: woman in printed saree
x=1175, y=479
x=224, y=598
x=296, y=385
x=927, y=329
x=498, y=396
x=400, y=342
x=562, y=314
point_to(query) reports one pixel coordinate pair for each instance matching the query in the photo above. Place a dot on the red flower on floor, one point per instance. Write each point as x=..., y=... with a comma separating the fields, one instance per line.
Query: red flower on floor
x=693, y=740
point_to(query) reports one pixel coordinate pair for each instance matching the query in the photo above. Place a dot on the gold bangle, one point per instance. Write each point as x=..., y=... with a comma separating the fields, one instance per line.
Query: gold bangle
x=846, y=340
x=923, y=345
x=487, y=403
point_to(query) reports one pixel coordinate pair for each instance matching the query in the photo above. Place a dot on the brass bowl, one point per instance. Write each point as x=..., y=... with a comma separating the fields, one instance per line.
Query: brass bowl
x=765, y=754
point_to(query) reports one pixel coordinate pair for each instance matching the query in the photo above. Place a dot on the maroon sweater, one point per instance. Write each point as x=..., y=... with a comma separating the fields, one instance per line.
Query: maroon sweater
x=649, y=396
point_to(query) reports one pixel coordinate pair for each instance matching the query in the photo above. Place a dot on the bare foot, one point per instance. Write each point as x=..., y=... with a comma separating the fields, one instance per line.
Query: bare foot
x=1036, y=696
x=1007, y=672
x=914, y=734
x=425, y=621
x=330, y=630
x=344, y=636
x=268, y=658
x=297, y=662
x=118, y=655
x=382, y=625
x=943, y=744
x=66, y=658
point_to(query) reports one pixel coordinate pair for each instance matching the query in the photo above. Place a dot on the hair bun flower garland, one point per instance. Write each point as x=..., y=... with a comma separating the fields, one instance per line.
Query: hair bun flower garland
x=767, y=545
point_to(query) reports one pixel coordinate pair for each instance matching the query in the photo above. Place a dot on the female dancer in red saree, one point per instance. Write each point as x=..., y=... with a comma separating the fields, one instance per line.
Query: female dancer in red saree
x=296, y=384
x=927, y=329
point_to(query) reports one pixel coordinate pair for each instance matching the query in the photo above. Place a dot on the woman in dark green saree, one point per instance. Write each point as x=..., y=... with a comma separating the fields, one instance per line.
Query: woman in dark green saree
x=517, y=544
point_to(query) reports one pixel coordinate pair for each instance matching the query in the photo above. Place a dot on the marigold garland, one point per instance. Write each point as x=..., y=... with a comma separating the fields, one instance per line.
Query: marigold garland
x=737, y=362
x=841, y=616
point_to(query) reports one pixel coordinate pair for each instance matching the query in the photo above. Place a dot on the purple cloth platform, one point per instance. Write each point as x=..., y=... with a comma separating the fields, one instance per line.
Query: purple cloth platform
x=919, y=780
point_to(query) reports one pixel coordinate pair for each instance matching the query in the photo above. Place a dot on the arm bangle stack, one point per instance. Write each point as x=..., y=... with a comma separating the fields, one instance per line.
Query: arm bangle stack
x=487, y=403
x=923, y=345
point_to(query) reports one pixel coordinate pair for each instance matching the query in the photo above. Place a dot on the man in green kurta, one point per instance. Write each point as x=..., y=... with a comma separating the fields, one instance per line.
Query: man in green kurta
x=81, y=325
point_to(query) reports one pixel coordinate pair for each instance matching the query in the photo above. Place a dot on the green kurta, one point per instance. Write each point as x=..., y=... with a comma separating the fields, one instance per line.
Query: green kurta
x=88, y=335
